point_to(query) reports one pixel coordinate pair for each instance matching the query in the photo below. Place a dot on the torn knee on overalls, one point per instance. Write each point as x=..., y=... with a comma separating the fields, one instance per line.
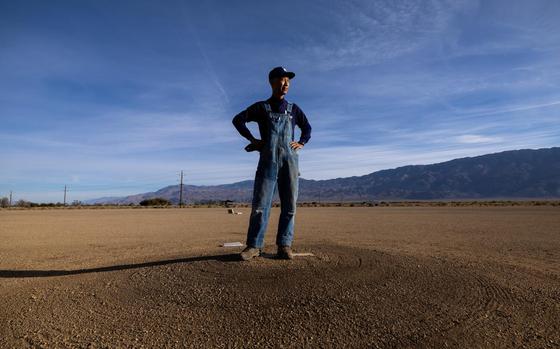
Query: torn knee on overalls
x=290, y=212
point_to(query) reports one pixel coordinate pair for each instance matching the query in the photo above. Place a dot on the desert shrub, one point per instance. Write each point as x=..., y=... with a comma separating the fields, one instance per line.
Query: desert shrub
x=23, y=203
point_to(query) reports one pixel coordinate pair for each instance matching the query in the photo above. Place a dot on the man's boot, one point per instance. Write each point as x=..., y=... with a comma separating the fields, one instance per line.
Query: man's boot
x=285, y=252
x=250, y=252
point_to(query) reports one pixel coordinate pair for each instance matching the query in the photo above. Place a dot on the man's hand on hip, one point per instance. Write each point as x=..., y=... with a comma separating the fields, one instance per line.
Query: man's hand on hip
x=257, y=143
x=296, y=145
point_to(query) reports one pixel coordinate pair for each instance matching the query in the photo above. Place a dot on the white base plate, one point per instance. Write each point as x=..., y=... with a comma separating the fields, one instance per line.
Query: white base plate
x=232, y=244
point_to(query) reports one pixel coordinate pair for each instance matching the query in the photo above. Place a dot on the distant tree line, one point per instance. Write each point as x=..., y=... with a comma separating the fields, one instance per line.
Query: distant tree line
x=213, y=202
x=155, y=202
x=5, y=202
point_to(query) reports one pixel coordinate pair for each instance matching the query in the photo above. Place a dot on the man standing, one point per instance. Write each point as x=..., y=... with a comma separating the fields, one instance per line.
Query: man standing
x=278, y=163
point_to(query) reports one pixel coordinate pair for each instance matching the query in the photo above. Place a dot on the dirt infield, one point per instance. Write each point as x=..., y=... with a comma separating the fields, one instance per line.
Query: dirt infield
x=387, y=277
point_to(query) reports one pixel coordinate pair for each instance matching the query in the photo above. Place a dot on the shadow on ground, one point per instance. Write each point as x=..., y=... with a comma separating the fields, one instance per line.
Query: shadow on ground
x=231, y=257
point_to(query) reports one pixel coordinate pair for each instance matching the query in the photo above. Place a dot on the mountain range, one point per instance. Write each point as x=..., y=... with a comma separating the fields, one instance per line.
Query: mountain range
x=514, y=174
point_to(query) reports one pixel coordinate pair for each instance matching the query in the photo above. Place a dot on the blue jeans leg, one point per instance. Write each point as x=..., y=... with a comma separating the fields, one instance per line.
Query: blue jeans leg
x=288, y=192
x=263, y=192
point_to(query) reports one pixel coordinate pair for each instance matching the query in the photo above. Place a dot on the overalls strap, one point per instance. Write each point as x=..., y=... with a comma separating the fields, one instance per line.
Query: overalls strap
x=288, y=108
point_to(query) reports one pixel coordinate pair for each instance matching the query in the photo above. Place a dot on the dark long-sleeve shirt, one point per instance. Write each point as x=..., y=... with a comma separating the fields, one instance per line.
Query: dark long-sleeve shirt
x=257, y=112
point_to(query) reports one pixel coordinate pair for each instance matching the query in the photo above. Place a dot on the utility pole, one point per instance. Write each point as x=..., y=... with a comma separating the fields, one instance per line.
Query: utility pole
x=10, y=198
x=181, y=191
x=64, y=195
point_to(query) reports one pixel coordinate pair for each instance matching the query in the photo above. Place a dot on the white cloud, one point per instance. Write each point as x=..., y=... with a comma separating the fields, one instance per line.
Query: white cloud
x=345, y=161
x=471, y=139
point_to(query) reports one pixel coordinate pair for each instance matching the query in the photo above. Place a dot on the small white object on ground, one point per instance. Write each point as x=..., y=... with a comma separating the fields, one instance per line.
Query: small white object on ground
x=232, y=244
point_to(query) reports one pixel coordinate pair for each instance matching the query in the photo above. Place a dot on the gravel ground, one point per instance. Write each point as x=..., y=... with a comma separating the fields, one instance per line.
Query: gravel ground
x=379, y=278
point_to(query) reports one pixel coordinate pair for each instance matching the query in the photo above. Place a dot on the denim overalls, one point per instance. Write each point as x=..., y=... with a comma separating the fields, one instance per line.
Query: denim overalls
x=278, y=163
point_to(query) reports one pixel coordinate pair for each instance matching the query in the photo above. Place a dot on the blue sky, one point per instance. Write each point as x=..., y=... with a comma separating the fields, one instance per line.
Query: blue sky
x=116, y=97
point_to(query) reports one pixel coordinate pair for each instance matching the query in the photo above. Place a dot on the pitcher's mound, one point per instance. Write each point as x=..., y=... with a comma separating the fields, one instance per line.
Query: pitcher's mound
x=338, y=297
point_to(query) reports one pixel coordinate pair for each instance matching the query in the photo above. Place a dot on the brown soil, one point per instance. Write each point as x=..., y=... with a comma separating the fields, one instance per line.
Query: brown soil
x=388, y=277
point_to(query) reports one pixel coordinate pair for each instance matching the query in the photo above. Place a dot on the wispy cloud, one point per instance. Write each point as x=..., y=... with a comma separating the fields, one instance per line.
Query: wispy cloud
x=368, y=33
x=477, y=139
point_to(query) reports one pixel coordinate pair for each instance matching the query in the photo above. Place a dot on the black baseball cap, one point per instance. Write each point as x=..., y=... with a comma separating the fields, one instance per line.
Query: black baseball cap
x=279, y=72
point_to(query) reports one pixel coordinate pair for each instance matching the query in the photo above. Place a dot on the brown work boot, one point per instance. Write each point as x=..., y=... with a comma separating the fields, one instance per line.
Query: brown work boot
x=285, y=252
x=250, y=252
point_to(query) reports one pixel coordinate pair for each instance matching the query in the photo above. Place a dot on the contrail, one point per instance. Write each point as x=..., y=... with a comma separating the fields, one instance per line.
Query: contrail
x=210, y=70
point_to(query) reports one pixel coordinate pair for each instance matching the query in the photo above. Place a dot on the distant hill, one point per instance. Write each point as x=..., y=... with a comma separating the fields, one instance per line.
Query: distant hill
x=511, y=174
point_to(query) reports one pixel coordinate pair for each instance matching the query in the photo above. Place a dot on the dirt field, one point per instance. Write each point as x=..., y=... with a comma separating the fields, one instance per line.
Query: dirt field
x=387, y=277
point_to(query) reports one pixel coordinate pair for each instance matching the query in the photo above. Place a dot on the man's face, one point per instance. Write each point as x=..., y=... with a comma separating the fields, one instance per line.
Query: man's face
x=280, y=86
